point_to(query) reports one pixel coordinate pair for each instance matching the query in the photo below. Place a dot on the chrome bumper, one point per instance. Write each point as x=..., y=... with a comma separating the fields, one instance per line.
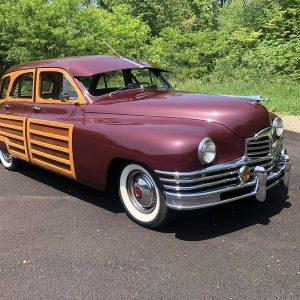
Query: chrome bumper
x=265, y=175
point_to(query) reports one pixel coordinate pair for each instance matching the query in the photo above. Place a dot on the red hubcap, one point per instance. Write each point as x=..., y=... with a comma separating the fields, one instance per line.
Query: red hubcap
x=138, y=193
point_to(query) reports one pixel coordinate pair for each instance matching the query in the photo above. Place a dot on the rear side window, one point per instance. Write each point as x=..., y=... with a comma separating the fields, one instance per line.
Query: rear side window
x=23, y=86
x=4, y=87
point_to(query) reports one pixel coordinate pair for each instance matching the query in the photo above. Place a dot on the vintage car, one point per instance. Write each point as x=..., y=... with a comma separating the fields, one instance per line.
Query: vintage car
x=107, y=121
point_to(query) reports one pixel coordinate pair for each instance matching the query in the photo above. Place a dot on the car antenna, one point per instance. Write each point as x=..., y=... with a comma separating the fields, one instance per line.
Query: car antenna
x=119, y=55
x=110, y=47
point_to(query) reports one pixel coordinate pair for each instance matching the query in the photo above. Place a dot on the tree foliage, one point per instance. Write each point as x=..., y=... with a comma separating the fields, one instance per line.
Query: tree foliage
x=37, y=29
x=209, y=39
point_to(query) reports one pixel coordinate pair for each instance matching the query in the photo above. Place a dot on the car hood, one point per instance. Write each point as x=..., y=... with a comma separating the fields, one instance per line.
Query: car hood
x=245, y=118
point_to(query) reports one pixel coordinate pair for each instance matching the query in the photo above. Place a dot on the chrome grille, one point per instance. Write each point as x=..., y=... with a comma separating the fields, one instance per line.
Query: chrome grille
x=258, y=148
x=260, y=145
x=210, y=180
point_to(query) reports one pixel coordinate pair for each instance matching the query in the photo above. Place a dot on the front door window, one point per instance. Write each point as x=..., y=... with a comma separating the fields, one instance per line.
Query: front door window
x=54, y=85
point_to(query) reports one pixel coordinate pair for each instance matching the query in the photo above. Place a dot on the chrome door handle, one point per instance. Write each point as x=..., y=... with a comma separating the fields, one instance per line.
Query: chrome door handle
x=37, y=109
x=7, y=106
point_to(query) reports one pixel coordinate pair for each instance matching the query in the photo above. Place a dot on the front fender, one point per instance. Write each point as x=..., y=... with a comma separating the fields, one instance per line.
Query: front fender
x=169, y=144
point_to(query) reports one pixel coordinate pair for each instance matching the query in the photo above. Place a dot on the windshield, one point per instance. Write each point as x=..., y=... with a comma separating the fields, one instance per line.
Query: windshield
x=112, y=82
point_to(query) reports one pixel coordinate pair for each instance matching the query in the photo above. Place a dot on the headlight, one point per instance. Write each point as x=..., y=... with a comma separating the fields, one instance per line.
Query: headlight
x=207, y=151
x=277, y=127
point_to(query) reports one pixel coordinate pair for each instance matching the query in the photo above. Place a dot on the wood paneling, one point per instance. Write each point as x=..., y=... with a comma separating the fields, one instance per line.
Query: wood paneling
x=50, y=146
x=13, y=133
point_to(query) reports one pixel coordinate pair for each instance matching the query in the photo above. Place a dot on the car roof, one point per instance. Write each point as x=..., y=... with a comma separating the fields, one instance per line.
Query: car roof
x=85, y=65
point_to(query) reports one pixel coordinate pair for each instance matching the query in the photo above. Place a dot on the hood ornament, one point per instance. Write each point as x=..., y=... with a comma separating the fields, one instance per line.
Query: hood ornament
x=257, y=98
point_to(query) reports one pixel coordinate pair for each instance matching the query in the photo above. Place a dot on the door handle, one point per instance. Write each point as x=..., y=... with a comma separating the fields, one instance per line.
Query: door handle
x=7, y=106
x=37, y=109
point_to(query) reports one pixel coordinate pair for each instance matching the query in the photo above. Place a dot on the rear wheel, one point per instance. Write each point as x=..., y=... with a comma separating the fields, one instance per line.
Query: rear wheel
x=141, y=197
x=9, y=162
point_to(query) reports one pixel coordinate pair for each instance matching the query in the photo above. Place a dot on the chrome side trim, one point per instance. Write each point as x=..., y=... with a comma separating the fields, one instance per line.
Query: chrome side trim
x=206, y=202
x=214, y=192
x=219, y=167
x=193, y=187
x=197, y=179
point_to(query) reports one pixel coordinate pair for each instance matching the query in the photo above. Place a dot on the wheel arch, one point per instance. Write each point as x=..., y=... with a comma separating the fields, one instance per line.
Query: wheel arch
x=115, y=167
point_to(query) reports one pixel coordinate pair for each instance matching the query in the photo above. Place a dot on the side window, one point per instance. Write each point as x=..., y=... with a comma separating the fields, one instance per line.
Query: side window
x=23, y=86
x=101, y=83
x=147, y=77
x=107, y=82
x=141, y=75
x=4, y=87
x=86, y=81
x=53, y=84
x=111, y=80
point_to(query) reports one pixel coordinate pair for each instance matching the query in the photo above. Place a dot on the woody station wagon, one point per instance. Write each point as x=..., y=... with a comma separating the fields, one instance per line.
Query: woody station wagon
x=107, y=121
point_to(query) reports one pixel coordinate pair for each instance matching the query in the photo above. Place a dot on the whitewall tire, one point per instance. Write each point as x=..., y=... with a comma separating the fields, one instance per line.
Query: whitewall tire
x=141, y=198
x=9, y=162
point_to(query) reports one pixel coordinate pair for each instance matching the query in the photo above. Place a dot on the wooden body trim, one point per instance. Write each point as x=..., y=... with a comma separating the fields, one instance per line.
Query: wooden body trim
x=14, y=136
x=42, y=152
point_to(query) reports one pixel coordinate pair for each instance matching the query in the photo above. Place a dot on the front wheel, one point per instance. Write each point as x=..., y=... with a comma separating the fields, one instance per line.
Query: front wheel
x=141, y=198
x=9, y=162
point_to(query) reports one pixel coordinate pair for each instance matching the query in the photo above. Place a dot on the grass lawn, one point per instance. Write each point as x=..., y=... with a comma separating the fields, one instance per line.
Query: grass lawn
x=284, y=98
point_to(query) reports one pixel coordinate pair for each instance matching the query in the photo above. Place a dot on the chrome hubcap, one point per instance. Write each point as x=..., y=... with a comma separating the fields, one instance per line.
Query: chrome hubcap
x=141, y=191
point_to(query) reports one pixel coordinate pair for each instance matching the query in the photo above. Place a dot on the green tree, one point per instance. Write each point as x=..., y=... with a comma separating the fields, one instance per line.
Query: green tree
x=184, y=14
x=38, y=29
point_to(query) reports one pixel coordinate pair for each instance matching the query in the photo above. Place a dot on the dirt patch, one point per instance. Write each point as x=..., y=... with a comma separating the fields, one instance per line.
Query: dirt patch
x=291, y=123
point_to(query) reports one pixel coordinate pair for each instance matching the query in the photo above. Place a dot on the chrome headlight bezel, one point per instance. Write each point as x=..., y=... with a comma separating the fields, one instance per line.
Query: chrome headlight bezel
x=277, y=127
x=207, y=151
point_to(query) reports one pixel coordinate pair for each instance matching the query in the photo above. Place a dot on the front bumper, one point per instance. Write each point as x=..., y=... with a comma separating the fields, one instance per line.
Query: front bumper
x=220, y=184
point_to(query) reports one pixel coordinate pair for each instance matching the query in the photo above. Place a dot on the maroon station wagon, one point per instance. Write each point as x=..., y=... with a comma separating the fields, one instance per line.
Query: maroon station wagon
x=110, y=121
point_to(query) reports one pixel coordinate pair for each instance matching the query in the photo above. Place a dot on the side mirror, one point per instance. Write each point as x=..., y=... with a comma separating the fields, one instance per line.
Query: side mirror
x=64, y=97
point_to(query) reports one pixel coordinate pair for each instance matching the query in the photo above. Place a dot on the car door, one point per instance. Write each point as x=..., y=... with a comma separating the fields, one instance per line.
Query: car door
x=17, y=93
x=50, y=126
